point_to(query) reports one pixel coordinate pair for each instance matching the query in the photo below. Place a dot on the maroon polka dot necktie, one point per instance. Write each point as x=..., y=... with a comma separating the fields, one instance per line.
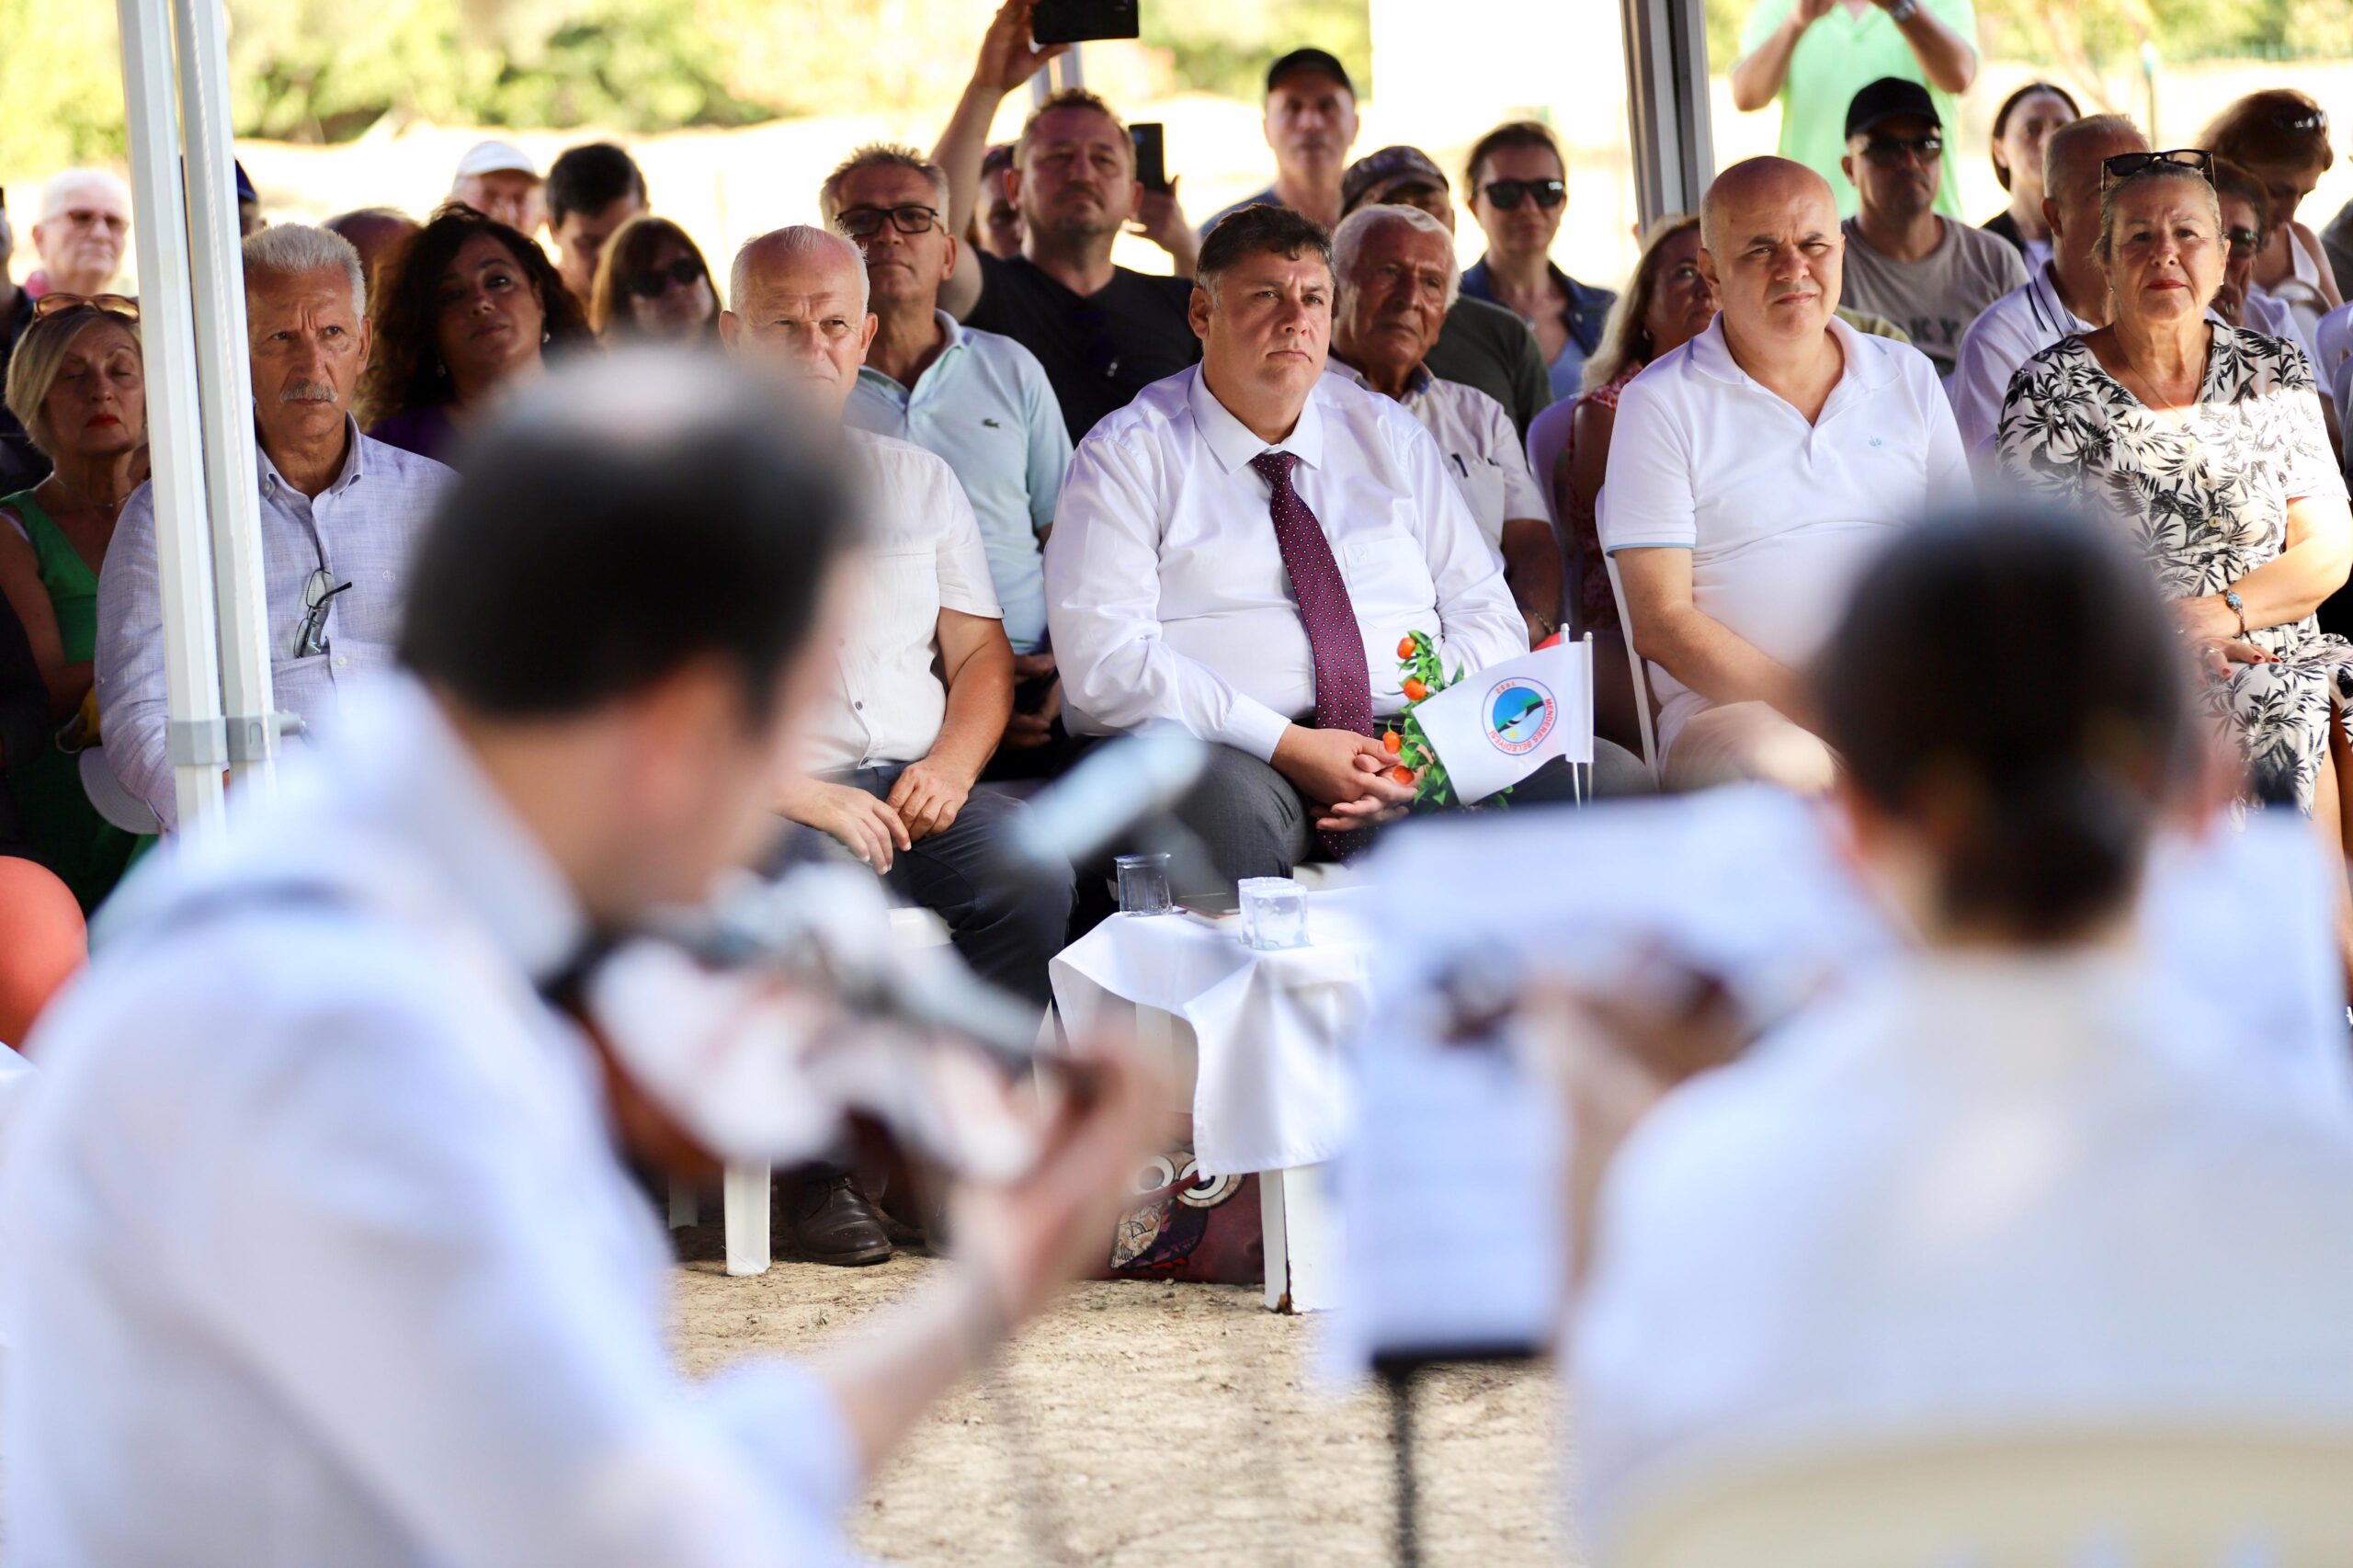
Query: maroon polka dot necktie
x=1343, y=685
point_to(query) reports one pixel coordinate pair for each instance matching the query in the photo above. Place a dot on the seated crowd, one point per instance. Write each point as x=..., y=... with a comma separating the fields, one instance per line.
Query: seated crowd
x=1220, y=497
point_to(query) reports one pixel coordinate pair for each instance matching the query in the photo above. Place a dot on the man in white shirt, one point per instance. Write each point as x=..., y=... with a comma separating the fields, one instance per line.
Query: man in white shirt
x=2067, y=294
x=978, y=401
x=1753, y=472
x=1241, y=551
x=898, y=748
x=319, y=1248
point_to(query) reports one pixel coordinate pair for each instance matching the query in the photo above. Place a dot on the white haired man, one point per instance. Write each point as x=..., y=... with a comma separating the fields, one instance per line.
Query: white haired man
x=340, y=514
x=83, y=227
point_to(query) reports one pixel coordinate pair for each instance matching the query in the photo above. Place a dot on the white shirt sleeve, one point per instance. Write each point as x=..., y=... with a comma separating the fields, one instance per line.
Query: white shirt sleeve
x=1648, y=502
x=372, y=1256
x=127, y=668
x=1103, y=610
x=1523, y=497
x=1951, y=482
x=963, y=560
x=1981, y=379
x=1478, y=623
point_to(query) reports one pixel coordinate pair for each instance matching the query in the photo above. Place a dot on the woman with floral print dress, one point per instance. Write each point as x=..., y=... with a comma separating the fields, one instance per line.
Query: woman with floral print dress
x=2204, y=442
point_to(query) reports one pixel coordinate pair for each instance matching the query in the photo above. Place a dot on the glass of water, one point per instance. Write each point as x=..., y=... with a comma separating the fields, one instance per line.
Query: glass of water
x=1274, y=912
x=1143, y=884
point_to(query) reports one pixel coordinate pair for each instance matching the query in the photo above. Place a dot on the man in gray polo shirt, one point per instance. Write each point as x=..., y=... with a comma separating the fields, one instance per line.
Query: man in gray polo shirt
x=1929, y=274
x=977, y=400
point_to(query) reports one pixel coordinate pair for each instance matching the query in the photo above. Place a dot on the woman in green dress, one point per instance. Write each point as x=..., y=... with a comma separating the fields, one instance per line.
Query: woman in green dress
x=75, y=383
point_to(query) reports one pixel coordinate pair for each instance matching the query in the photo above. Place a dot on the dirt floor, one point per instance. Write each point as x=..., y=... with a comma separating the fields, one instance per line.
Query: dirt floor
x=1169, y=1424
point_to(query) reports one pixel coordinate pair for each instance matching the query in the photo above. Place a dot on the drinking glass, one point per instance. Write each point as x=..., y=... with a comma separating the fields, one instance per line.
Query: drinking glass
x=1274, y=912
x=1143, y=884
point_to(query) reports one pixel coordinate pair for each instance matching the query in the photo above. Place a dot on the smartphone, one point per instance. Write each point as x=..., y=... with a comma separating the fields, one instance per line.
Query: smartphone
x=1151, y=156
x=1077, y=21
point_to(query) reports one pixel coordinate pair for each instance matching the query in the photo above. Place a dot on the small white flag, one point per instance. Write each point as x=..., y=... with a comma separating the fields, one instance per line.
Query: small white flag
x=1495, y=726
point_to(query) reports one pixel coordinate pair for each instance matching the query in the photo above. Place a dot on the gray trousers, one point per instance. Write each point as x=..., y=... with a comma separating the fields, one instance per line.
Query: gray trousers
x=1254, y=822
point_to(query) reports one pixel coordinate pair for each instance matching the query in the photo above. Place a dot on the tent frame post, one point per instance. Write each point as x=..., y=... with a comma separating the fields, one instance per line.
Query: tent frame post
x=1667, y=104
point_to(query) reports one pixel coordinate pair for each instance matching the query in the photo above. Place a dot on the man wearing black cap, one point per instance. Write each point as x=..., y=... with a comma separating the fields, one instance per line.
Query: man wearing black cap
x=1929, y=274
x=1483, y=345
x=1310, y=124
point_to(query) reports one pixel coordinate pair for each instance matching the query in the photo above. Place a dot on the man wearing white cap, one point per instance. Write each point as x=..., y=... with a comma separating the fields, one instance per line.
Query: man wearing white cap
x=498, y=180
x=85, y=225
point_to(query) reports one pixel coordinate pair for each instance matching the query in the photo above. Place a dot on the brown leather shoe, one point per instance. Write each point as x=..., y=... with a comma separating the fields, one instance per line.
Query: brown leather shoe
x=831, y=1221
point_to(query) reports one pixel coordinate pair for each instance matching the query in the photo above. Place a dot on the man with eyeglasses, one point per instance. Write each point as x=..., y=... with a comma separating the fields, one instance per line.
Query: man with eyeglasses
x=340, y=514
x=1930, y=275
x=21, y=464
x=1102, y=332
x=978, y=401
x=1311, y=123
x=85, y=225
x=2067, y=294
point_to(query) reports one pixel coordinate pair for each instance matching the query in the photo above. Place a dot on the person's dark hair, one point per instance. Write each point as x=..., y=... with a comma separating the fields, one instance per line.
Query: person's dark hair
x=1070, y=98
x=590, y=178
x=1258, y=229
x=2235, y=179
x=2002, y=118
x=997, y=159
x=2277, y=129
x=1511, y=133
x=627, y=516
x=2011, y=684
x=405, y=304
x=625, y=254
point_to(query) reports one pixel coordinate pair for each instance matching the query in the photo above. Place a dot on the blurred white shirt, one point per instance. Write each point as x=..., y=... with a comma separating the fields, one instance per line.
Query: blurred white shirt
x=1165, y=585
x=319, y=1249
x=1982, y=1194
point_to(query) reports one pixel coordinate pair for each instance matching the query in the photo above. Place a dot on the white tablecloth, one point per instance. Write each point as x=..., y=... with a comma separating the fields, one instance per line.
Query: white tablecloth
x=1270, y=1094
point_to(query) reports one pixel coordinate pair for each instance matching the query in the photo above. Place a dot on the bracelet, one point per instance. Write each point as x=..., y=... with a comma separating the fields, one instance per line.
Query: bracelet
x=1903, y=11
x=2238, y=607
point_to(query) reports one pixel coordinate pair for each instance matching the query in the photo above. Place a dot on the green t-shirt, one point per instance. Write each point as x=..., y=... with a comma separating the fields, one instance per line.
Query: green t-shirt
x=1838, y=57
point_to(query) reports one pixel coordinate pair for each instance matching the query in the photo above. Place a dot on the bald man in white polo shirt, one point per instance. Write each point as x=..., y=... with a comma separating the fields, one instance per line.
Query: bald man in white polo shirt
x=1751, y=471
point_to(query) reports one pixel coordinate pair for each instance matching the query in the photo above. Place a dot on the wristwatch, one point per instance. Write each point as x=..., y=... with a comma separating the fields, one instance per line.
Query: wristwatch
x=2238, y=607
x=1903, y=11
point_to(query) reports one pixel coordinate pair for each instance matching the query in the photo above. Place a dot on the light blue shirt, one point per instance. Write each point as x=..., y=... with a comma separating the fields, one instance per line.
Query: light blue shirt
x=985, y=408
x=361, y=530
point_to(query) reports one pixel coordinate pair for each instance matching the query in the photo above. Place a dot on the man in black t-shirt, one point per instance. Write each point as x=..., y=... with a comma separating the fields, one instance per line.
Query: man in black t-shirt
x=1103, y=332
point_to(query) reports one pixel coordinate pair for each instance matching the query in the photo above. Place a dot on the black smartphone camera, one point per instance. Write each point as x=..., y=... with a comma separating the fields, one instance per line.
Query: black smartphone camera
x=1152, y=155
x=1081, y=21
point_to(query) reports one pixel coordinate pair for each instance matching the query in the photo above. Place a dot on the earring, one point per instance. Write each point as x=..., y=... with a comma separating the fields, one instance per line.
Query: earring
x=440, y=367
x=546, y=338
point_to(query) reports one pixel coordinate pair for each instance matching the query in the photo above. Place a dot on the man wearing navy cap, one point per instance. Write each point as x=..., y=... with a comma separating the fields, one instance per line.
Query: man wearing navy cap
x=1310, y=124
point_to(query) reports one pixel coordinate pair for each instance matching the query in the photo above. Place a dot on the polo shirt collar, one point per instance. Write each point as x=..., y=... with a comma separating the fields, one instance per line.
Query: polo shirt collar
x=952, y=339
x=1416, y=384
x=355, y=463
x=1868, y=359
x=1233, y=443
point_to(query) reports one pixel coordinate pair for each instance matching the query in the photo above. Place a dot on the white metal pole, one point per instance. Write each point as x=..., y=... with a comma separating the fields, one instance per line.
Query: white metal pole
x=183, y=547
x=231, y=482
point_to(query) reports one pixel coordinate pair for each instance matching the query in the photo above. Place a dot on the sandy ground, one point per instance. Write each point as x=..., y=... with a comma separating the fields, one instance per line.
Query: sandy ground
x=1169, y=1424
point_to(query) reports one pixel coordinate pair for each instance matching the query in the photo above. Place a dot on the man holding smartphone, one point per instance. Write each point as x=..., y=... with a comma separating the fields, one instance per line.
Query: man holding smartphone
x=1311, y=125
x=1103, y=332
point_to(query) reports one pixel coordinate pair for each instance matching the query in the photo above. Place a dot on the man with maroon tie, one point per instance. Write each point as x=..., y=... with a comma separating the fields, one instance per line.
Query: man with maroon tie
x=1241, y=550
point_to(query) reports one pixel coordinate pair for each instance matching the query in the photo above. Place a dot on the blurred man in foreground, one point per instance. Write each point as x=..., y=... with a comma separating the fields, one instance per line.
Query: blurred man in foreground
x=398, y=1300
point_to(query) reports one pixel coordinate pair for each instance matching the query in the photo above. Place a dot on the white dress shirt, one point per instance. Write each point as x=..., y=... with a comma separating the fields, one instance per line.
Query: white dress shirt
x=1990, y=1194
x=319, y=1250
x=924, y=555
x=2013, y=329
x=1779, y=515
x=361, y=530
x=1482, y=448
x=1165, y=586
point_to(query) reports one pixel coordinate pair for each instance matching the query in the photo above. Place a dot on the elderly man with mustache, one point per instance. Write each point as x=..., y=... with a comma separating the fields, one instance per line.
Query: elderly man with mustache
x=1752, y=473
x=339, y=513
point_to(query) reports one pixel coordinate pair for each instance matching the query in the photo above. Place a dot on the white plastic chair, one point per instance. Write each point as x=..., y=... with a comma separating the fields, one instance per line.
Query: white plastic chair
x=2101, y=1500
x=1643, y=714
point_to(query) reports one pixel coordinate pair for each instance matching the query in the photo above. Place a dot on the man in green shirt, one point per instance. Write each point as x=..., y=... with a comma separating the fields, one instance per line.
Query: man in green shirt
x=1816, y=55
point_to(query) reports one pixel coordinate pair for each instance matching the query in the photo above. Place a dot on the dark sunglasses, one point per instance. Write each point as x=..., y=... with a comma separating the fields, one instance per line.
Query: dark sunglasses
x=2245, y=243
x=2312, y=119
x=1890, y=149
x=2124, y=165
x=56, y=304
x=657, y=281
x=1507, y=193
x=865, y=222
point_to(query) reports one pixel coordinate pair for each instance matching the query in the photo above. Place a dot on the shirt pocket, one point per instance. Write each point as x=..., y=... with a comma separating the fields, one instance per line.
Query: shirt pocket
x=900, y=607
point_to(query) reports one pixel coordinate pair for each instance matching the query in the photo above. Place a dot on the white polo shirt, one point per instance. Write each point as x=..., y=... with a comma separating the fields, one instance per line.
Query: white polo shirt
x=2013, y=329
x=1484, y=456
x=1779, y=515
x=924, y=555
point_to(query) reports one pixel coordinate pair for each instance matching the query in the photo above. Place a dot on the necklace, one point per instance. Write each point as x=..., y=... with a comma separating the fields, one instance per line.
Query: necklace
x=2155, y=401
x=110, y=508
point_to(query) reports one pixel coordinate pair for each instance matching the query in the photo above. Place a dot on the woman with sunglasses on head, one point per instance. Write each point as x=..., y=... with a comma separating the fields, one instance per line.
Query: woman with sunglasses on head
x=2021, y=126
x=653, y=285
x=466, y=309
x=2204, y=443
x=76, y=383
x=2280, y=137
x=1518, y=186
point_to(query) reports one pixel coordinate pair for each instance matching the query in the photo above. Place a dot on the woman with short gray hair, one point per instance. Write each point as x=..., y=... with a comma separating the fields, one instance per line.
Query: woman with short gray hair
x=76, y=384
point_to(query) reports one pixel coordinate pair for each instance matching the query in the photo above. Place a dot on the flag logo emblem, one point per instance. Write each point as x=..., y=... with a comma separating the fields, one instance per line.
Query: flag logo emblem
x=1520, y=714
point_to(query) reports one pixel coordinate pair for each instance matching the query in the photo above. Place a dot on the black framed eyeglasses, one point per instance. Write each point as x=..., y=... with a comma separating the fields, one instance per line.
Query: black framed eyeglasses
x=318, y=596
x=1507, y=193
x=2124, y=165
x=1890, y=149
x=865, y=222
x=657, y=281
x=2245, y=243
